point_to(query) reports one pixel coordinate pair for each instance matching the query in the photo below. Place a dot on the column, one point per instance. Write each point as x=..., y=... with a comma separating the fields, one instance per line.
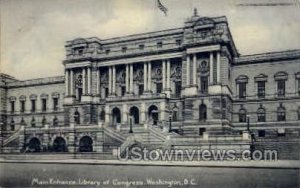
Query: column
x=89, y=80
x=131, y=78
x=98, y=82
x=188, y=70
x=71, y=83
x=67, y=82
x=127, y=78
x=164, y=74
x=149, y=76
x=109, y=80
x=218, y=68
x=168, y=74
x=114, y=79
x=211, y=68
x=194, y=69
x=145, y=76
x=83, y=81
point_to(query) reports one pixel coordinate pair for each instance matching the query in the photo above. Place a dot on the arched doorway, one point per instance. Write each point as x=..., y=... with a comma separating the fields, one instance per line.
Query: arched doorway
x=86, y=144
x=202, y=112
x=135, y=113
x=153, y=114
x=34, y=145
x=116, y=116
x=59, y=145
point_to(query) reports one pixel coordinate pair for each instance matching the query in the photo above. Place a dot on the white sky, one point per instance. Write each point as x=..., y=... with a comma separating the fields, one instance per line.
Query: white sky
x=33, y=32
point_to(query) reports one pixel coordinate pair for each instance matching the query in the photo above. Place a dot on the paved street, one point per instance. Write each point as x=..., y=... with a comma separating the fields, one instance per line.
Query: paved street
x=84, y=175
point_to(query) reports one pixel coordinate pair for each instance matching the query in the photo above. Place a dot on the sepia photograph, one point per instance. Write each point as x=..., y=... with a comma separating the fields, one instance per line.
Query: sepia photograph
x=150, y=93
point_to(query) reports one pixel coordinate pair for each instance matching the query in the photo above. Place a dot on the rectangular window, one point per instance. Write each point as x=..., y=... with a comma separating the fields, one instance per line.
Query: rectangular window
x=178, y=42
x=281, y=88
x=12, y=106
x=159, y=44
x=106, y=92
x=124, y=49
x=242, y=90
x=32, y=105
x=261, y=133
x=201, y=131
x=141, y=46
x=44, y=105
x=55, y=104
x=123, y=90
x=22, y=106
x=204, y=84
x=158, y=87
x=177, y=89
x=107, y=51
x=261, y=89
x=141, y=89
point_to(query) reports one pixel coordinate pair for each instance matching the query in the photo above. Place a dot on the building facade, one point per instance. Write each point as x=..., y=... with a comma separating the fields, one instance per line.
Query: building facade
x=190, y=81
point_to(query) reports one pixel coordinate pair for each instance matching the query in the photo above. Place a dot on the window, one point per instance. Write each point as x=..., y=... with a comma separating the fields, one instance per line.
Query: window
x=242, y=90
x=177, y=89
x=281, y=132
x=242, y=116
x=32, y=122
x=159, y=44
x=261, y=115
x=281, y=113
x=55, y=104
x=281, y=88
x=261, y=133
x=141, y=89
x=44, y=120
x=141, y=46
x=102, y=116
x=175, y=114
x=107, y=51
x=298, y=80
x=33, y=105
x=106, y=92
x=202, y=112
x=77, y=117
x=12, y=107
x=44, y=105
x=298, y=113
x=123, y=90
x=201, y=131
x=12, y=125
x=204, y=84
x=124, y=49
x=178, y=42
x=22, y=106
x=158, y=87
x=55, y=121
x=261, y=89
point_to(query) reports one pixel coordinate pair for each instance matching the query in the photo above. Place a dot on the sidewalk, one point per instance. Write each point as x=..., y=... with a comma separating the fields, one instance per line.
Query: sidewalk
x=280, y=164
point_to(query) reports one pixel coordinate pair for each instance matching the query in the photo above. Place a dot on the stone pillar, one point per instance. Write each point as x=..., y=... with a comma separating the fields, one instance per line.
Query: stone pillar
x=114, y=79
x=124, y=113
x=188, y=70
x=145, y=77
x=164, y=74
x=98, y=82
x=143, y=112
x=71, y=82
x=107, y=114
x=211, y=68
x=84, y=81
x=194, y=69
x=127, y=78
x=131, y=78
x=89, y=80
x=72, y=146
x=149, y=76
x=67, y=82
x=109, y=80
x=218, y=68
x=168, y=74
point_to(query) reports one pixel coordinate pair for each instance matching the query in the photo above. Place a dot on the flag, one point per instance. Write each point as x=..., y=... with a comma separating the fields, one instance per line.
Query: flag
x=162, y=7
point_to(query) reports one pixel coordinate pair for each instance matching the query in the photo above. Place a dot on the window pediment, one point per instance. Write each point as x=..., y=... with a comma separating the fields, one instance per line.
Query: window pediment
x=33, y=97
x=242, y=79
x=261, y=77
x=12, y=98
x=55, y=95
x=44, y=96
x=281, y=76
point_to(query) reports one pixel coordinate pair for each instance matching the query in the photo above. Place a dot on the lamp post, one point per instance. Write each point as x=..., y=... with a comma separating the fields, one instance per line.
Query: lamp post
x=248, y=123
x=170, y=122
x=252, y=136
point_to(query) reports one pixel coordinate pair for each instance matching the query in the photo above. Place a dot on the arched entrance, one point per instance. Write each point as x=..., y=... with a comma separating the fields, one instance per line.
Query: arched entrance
x=34, y=145
x=59, y=145
x=86, y=144
x=153, y=114
x=135, y=113
x=116, y=116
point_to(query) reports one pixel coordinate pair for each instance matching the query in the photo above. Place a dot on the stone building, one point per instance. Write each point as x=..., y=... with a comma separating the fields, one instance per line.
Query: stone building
x=188, y=81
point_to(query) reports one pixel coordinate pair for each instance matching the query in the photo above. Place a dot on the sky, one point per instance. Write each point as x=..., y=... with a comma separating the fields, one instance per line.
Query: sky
x=33, y=32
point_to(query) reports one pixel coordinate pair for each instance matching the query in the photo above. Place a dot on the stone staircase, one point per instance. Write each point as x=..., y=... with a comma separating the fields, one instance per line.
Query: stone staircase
x=12, y=137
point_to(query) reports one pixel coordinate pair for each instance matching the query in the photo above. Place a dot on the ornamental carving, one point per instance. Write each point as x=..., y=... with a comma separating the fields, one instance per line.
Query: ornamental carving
x=121, y=77
x=139, y=76
x=104, y=78
x=78, y=81
x=176, y=72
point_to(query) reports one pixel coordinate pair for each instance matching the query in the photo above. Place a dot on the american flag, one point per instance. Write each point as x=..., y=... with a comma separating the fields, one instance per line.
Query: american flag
x=162, y=7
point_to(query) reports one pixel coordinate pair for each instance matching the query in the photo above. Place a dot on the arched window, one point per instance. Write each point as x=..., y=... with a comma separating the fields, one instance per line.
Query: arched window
x=12, y=124
x=44, y=120
x=175, y=114
x=32, y=122
x=261, y=115
x=102, y=116
x=77, y=117
x=280, y=113
x=242, y=115
x=202, y=112
x=55, y=121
